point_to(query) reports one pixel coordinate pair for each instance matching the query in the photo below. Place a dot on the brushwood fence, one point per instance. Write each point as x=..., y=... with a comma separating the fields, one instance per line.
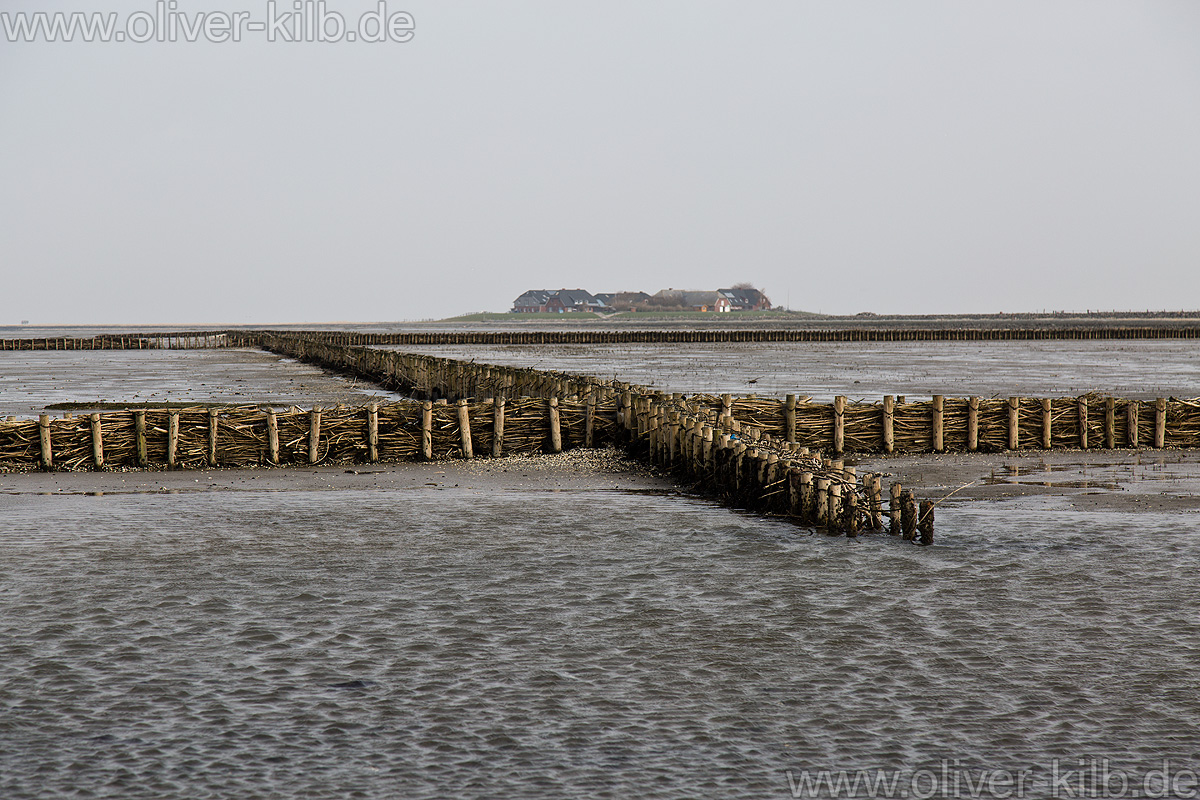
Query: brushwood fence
x=770, y=455
x=251, y=338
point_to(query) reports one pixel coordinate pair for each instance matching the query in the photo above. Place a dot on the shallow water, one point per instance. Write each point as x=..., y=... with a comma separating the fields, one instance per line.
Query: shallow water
x=867, y=370
x=427, y=643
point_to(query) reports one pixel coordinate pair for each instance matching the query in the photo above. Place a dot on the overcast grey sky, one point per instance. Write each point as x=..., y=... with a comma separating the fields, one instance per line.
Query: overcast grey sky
x=911, y=157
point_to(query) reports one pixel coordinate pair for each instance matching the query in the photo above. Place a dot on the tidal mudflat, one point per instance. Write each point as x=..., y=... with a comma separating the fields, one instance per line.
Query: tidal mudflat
x=1138, y=369
x=32, y=380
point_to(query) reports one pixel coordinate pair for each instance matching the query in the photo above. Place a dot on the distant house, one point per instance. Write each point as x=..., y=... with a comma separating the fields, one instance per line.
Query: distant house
x=623, y=301
x=692, y=300
x=572, y=300
x=746, y=299
x=532, y=302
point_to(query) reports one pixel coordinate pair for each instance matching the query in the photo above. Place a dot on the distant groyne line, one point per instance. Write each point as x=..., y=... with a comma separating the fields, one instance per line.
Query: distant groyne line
x=254, y=338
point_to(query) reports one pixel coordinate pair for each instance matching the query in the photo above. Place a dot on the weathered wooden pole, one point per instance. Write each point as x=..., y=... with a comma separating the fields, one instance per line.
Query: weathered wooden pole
x=1014, y=423
x=807, y=501
x=939, y=443
x=895, y=509
x=139, y=438
x=272, y=437
x=314, y=435
x=464, y=429
x=908, y=515
x=833, y=515
x=1047, y=439
x=1081, y=407
x=498, y=428
x=373, y=432
x=213, y=424
x=709, y=455
x=850, y=522
x=1110, y=422
x=97, y=442
x=822, y=492
x=839, y=424
x=172, y=438
x=44, y=439
x=925, y=522
x=1160, y=423
x=427, y=430
x=789, y=417
x=889, y=421
x=972, y=424
x=1131, y=422
x=589, y=419
x=555, y=427
x=876, y=502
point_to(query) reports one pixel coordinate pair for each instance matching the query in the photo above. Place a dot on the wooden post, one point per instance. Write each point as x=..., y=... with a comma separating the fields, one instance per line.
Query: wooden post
x=895, y=509
x=939, y=443
x=851, y=513
x=839, y=424
x=589, y=419
x=973, y=424
x=373, y=432
x=726, y=405
x=464, y=429
x=1014, y=423
x=908, y=515
x=314, y=435
x=833, y=515
x=139, y=437
x=498, y=428
x=709, y=457
x=1131, y=422
x=1081, y=407
x=1047, y=440
x=272, y=437
x=1110, y=422
x=807, y=506
x=172, y=438
x=555, y=428
x=822, y=515
x=97, y=442
x=44, y=437
x=212, y=437
x=875, y=493
x=1160, y=422
x=889, y=421
x=789, y=417
x=925, y=522
x=427, y=430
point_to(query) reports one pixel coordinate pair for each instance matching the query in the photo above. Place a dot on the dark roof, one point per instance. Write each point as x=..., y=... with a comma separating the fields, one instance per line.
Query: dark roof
x=745, y=297
x=577, y=297
x=533, y=297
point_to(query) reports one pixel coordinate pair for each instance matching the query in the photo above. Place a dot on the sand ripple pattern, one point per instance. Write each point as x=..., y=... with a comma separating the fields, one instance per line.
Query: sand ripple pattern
x=432, y=644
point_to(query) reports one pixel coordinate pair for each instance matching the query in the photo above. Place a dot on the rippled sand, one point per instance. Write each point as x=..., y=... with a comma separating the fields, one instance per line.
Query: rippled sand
x=429, y=633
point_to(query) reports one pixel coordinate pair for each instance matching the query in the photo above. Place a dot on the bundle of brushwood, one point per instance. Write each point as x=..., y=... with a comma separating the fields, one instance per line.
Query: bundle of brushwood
x=744, y=467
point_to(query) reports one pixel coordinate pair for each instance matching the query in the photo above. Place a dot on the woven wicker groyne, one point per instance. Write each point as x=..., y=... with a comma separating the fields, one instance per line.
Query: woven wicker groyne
x=250, y=338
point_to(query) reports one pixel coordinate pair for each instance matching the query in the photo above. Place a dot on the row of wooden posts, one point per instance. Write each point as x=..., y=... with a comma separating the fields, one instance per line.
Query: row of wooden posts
x=746, y=468
x=252, y=338
x=666, y=429
x=248, y=436
x=137, y=341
